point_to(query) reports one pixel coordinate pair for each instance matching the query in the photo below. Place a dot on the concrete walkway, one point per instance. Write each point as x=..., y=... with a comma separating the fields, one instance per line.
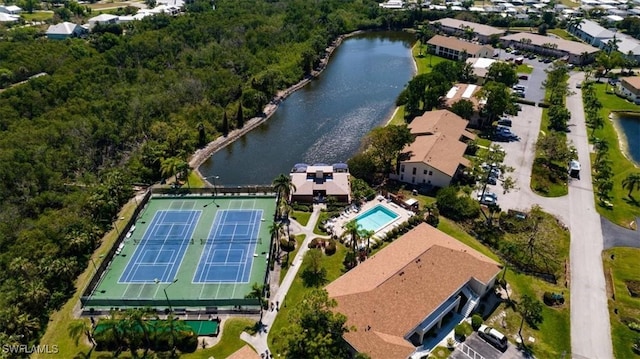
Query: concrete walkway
x=590, y=326
x=259, y=340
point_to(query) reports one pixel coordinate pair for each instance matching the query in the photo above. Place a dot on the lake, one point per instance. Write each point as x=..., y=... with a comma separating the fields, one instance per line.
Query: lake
x=325, y=121
x=629, y=123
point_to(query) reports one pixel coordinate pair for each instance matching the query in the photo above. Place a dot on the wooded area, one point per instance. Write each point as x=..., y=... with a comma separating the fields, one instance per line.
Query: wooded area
x=113, y=108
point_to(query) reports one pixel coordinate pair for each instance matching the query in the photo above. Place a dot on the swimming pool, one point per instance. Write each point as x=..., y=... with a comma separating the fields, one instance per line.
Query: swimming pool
x=376, y=218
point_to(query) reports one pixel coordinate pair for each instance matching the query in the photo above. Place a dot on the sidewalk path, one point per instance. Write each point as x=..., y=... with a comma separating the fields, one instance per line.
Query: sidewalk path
x=259, y=340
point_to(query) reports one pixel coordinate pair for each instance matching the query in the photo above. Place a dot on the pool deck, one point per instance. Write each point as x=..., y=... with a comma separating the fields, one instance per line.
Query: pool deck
x=337, y=224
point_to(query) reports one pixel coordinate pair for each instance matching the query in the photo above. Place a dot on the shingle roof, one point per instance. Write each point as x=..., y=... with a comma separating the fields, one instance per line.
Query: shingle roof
x=481, y=29
x=244, y=353
x=633, y=81
x=572, y=47
x=64, y=28
x=396, y=289
x=455, y=44
x=437, y=141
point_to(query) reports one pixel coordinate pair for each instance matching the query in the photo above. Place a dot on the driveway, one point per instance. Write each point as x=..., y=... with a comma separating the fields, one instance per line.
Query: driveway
x=588, y=291
x=476, y=345
x=616, y=236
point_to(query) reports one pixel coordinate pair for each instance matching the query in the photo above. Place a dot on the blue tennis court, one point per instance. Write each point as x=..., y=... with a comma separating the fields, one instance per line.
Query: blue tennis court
x=230, y=247
x=161, y=249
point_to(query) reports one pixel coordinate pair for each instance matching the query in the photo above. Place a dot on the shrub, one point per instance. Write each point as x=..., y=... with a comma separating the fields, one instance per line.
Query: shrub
x=476, y=321
x=286, y=245
x=462, y=331
x=315, y=243
x=330, y=248
x=634, y=326
x=303, y=207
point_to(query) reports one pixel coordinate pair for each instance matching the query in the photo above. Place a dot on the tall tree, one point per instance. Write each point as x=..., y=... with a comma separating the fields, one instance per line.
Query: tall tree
x=240, y=116
x=631, y=182
x=531, y=311
x=386, y=143
x=284, y=187
x=353, y=229
x=225, y=125
x=315, y=330
x=78, y=328
x=503, y=72
x=463, y=108
x=498, y=100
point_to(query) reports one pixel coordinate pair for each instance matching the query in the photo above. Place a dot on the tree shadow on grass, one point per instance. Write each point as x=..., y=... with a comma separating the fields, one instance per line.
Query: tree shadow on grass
x=311, y=278
x=631, y=200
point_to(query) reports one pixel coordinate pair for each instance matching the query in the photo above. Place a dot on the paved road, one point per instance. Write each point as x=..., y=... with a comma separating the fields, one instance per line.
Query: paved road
x=590, y=326
x=616, y=236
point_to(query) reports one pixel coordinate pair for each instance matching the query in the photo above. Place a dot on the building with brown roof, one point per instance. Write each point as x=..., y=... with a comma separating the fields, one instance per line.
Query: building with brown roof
x=575, y=52
x=436, y=155
x=453, y=48
x=246, y=352
x=458, y=28
x=399, y=297
x=629, y=87
x=465, y=92
x=314, y=183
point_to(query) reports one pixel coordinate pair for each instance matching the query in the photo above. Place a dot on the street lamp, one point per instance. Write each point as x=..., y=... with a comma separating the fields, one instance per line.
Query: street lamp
x=215, y=190
x=165, y=293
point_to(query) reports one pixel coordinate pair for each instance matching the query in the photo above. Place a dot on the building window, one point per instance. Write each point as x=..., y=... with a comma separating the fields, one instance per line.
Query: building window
x=413, y=180
x=424, y=180
x=424, y=172
x=402, y=168
x=429, y=181
x=430, y=173
x=414, y=170
x=401, y=177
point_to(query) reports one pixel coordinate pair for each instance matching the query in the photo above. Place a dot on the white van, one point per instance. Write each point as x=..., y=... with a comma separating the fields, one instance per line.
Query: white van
x=493, y=337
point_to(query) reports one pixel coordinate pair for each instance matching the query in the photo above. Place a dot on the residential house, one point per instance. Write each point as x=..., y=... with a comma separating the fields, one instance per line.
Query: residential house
x=65, y=30
x=454, y=48
x=103, y=19
x=10, y=9
x=436, y=156
x=9, y=18
x=465, y=92
x=629, y=87
x=594, y=34
x=314, y=183
x=572, y=51
x=392, y=4
x=459, y=28
x=397, y=299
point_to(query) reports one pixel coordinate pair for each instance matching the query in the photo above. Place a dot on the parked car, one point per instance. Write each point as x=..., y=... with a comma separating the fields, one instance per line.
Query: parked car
x=520, y=94
x=488, y=194
x=505, y=122
x=493, y=337
x=492, y=180
x=487, y=200
x=523, y=77
x=518, y=88
x=574, y=169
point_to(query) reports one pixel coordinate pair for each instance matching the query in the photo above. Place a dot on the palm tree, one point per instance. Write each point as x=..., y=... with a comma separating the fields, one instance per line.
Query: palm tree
x=170, y=328
x=257, y=293
x=169, y=167
x=367, y=234
x=352, y=228
x=631, y=182
x=136, y=321
x=583, y=58
x=81, y=327
x=113, y=331
x=574, y=23
x=283, y=187
x=612, y=44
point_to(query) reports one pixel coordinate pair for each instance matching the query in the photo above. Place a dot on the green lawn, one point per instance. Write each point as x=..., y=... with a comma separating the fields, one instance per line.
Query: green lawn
x=334, y=267
x=285, y=265
x=228, y=344
x=195, y=181
x=624, y=208
x=553, y=335
x=524, y=69
x=620, y=265
x=37, y=16
x=56, y=332
x=301, y=217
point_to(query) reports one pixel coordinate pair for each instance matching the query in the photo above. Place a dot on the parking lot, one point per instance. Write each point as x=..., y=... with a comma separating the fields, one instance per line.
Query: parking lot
x=533, y=85
x=475, y=344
